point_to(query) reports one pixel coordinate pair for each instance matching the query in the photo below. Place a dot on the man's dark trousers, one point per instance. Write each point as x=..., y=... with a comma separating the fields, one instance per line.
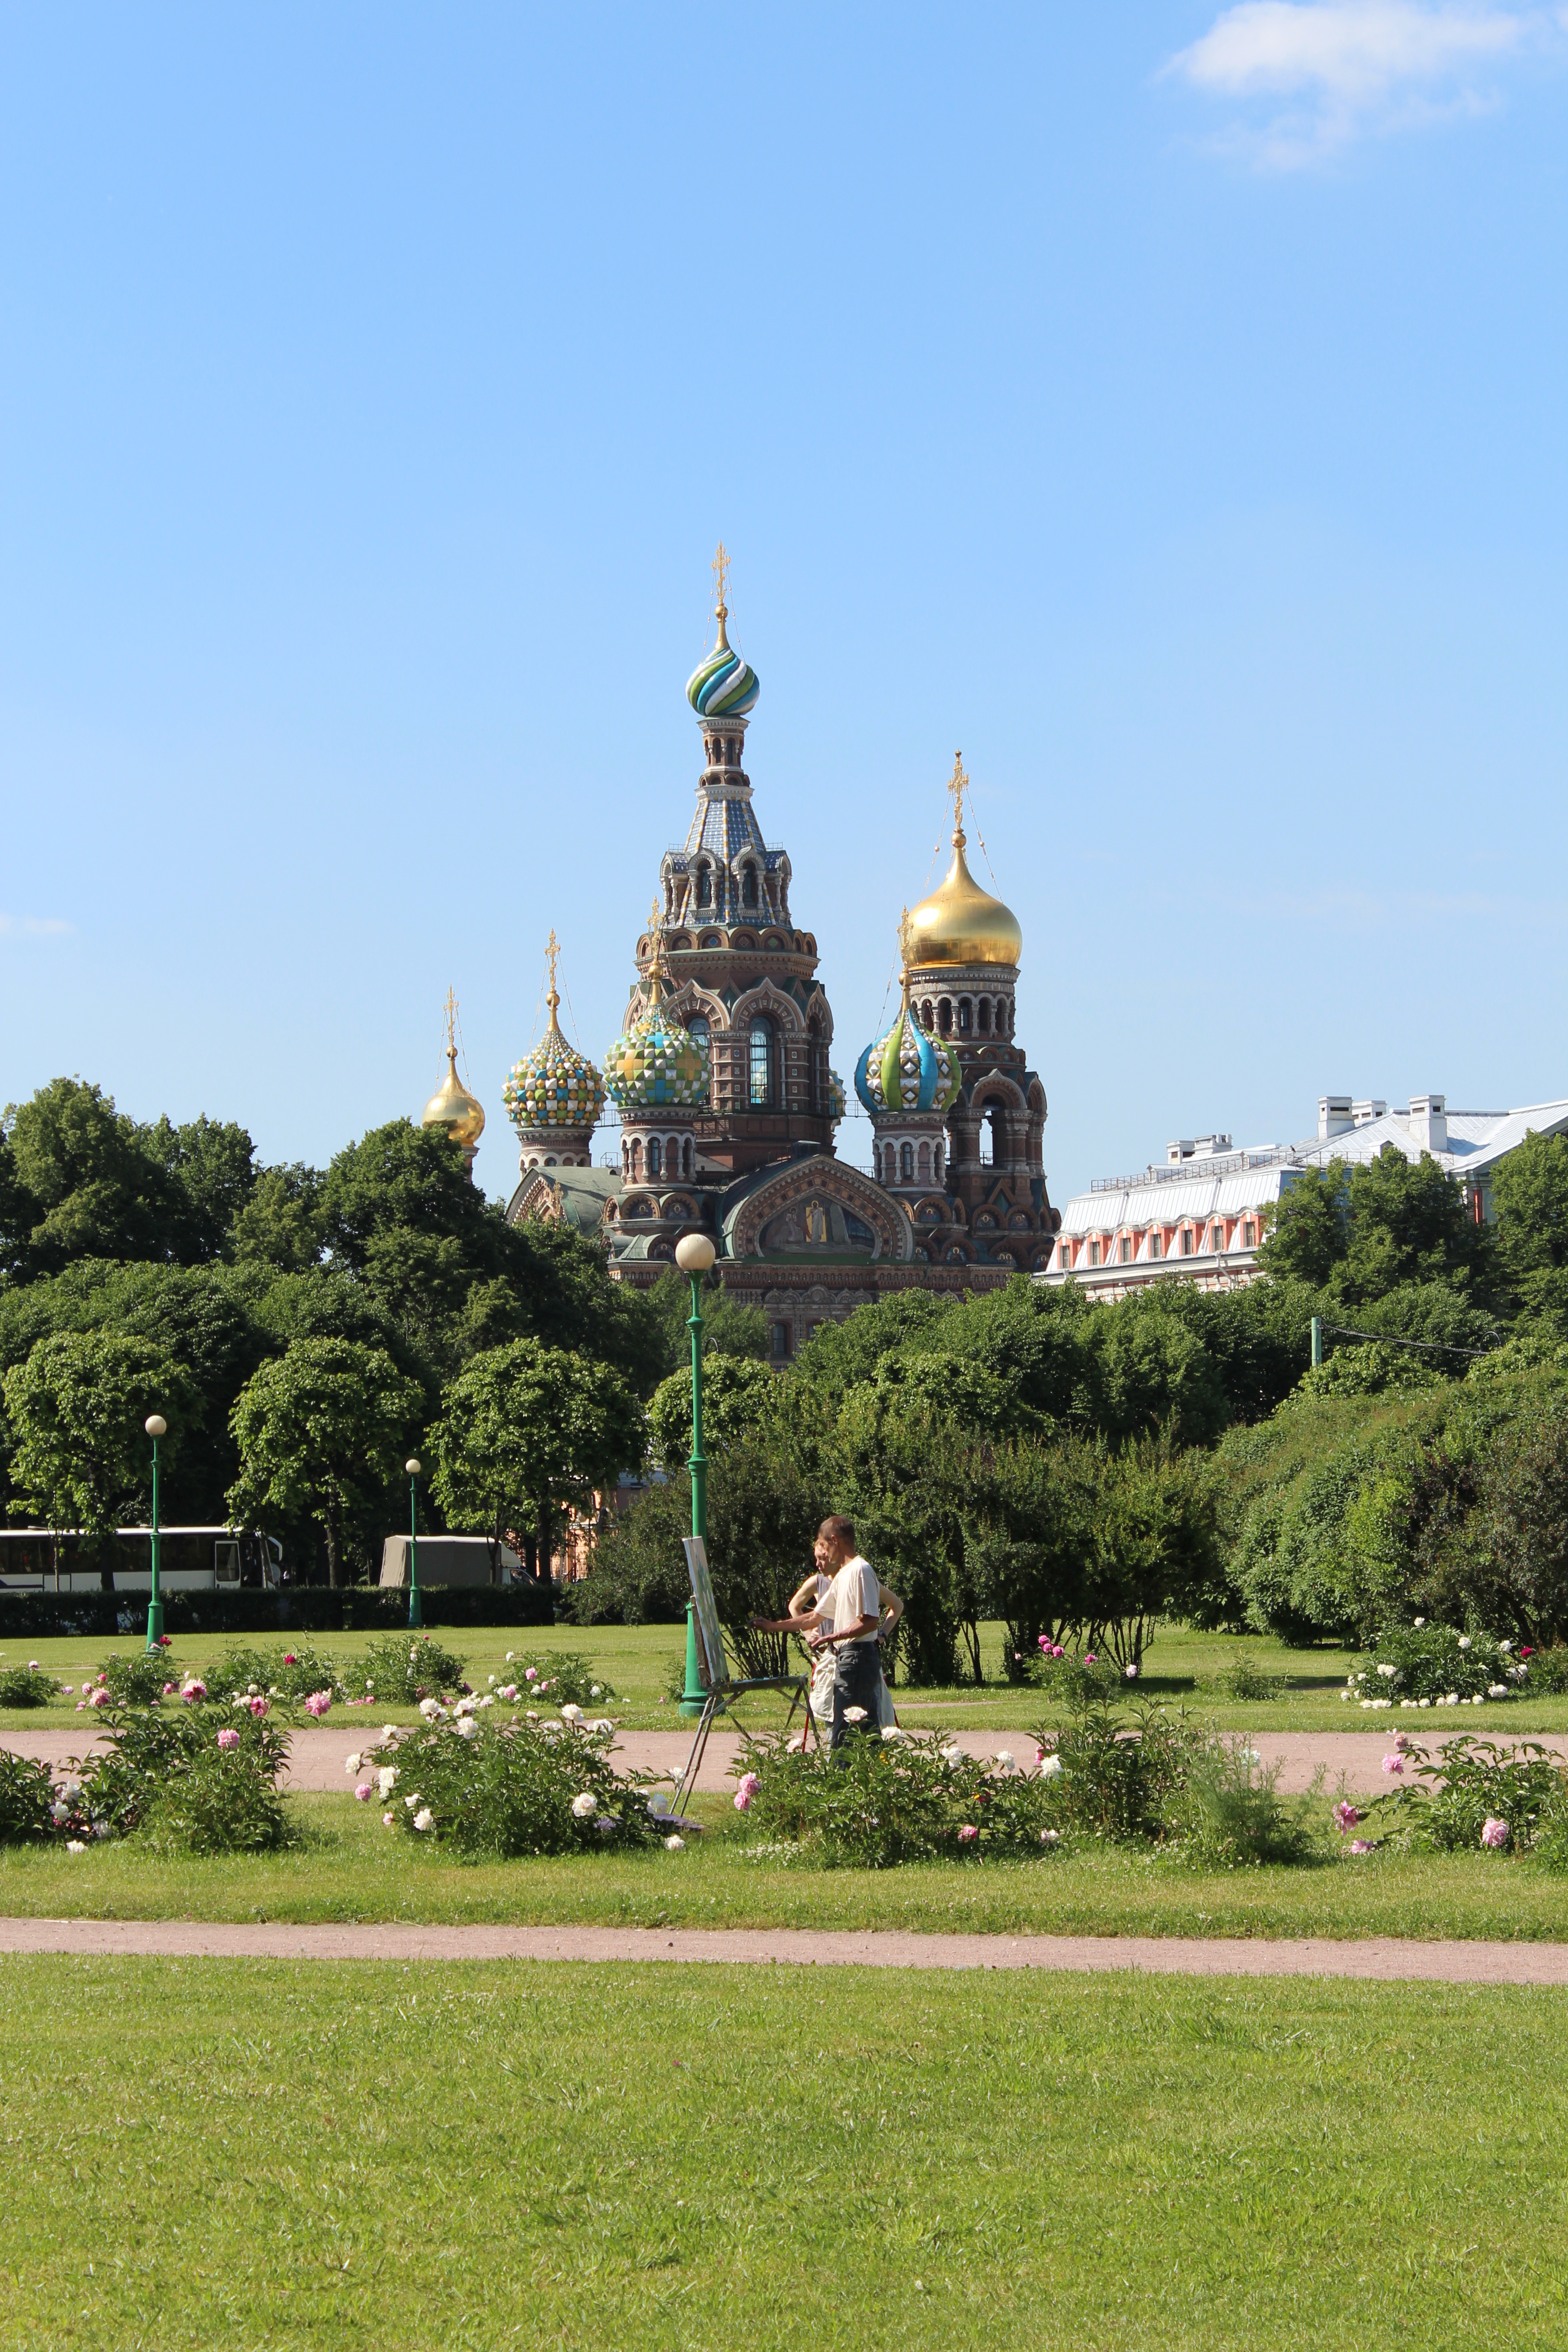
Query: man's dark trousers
x=857, y=1682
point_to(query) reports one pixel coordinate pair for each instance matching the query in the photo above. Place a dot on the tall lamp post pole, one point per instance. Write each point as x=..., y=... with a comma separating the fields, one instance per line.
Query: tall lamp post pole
x=694, y=1254
x=156, y=1427
x=416, y=1613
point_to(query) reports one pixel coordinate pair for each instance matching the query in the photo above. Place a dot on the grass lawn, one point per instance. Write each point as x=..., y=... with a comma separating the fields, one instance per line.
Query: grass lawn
x=372, y=2155
x=350, y=1868
x=1180, y=1668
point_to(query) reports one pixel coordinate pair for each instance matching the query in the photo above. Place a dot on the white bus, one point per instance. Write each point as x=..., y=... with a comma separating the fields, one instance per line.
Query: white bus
x=190, y=1559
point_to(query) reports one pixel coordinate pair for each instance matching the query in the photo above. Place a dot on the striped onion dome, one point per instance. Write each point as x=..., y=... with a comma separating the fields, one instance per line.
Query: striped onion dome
x=554, y=1085
x=908, y=1071
x=723, y=686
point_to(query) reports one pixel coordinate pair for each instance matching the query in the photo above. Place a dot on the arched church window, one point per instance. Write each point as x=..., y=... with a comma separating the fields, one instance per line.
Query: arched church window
x=760, y=1091
x=636, y=1162
x=907, y=1162
x=928, y=1016
x=984, y=1022
x=749, y=887
x=705, y=885
x=925, y=1163
x=944, y=1015
x=936, y=1164
x=655, y=1159
x=964, y=1016
x=698, y=1027
x=686, y=1157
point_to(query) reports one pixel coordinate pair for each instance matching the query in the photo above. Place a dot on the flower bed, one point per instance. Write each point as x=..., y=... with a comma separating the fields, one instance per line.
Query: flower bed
x=467, y=1780
x=1436, y=1665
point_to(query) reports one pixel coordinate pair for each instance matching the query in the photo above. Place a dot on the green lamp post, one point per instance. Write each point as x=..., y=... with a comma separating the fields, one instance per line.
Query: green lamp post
x=413, y=1465
x=156, y=1427
x=694, y=1254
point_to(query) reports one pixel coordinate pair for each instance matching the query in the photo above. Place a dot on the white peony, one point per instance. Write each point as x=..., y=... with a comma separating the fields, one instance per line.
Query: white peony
x=351, y=1764
x=1464, y=1641
x=674, y=1845
x=1004, y=1757
x=583, y=1804
x=466, y=1728
x=1049, y=1767
x=423, y=1819
x=387, y=1779
x=570, y=1714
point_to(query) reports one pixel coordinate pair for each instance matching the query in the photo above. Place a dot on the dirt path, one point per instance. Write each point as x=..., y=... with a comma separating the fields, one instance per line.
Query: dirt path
x=1382, y=1959
x=317, y=1752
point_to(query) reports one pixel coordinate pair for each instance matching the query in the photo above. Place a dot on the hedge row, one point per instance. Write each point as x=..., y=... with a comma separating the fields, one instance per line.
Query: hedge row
x=302, y=1609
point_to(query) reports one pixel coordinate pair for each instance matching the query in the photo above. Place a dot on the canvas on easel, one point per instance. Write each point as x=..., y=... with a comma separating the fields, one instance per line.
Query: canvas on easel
x=713, y=1671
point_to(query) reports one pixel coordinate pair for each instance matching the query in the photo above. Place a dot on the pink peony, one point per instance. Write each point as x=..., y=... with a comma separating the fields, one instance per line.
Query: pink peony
x=289, y=1659
x=531, y=1674
x=164, y=1640
x=228, y=1738
x=1494, y=1833
x=1359, y=1845
x=100, y=1698
x=1347, y=1815
x=364, y=1793
x=168, y=1690
x=1045, y=1644
x=748, y=1788
x=387, y=1820
x=257, y=1705
x=195, y=1688
x=1393, y=1763
x=1089, y=1659
x=967, y=1833
x=318, y=1702
x=1402, y=1741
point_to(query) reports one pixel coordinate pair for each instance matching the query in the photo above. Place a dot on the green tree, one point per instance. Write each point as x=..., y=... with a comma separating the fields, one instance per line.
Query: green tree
x=1305, y=1230
x=76, y=1409
x=728, y=1330
x=1530, y=1193
x=1408, y=1224
x=526, y=1433
x=280, y=1223
x=212, y=1167
x=1155, y=1552
x=321, y=1431
x=95, y=1191
x=739, y=1396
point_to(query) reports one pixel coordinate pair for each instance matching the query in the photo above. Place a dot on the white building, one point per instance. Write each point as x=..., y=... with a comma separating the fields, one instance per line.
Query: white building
x=1201, y=1213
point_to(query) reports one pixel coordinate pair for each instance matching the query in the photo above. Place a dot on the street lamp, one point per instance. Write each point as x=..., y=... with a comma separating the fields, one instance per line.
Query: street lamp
x=413, y=1465
x=156, y=1427
x=694, y=1254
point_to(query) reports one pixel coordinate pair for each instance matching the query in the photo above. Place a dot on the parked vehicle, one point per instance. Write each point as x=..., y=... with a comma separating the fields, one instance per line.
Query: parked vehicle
x=190, y=1559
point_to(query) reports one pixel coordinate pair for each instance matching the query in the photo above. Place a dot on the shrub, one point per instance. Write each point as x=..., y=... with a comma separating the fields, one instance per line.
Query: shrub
x=1446, y=1805
x=1244, y=1678
x=1119, y=1776
x=294, y=1672
x=881, y=1801
x=1548, y=1669
x=1231, y=1812
x=407, y=1667
x=1088, y=1681
x=27, y=1800
x=25, y=1687
x=139, y=1679
x=564, y=1678
x=483, y=1788
x=224, y=1802
x=151, y=1749
x=1430, y=1664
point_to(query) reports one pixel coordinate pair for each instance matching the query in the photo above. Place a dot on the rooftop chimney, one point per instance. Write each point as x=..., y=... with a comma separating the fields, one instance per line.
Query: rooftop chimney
x=1333, y=1116
x=1429, y=1121
x=1363, y=1113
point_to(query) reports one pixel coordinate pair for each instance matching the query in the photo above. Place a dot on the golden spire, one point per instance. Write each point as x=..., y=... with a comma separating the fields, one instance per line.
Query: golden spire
x=454, y=1108
x=906, y=950
x=958, y=784
x=552, y=996
x=721, y=575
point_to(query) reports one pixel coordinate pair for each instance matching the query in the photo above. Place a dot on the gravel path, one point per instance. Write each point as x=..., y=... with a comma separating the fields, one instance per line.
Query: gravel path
x=1380, y=1959
x=317, y=1753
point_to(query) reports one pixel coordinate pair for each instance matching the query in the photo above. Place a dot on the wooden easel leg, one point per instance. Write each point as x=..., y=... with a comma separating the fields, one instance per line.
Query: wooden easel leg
x=694, y=1761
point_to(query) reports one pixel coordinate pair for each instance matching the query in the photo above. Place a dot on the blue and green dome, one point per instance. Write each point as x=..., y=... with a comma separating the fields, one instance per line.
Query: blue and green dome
x=908, y=1071
x=657, y=1064
x=554, y=1085
x=723, y=686
x=837, y=1100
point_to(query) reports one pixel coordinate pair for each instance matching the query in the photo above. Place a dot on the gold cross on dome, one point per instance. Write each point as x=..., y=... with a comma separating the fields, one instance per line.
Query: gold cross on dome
x=721, y=575
x=906, y=937
x=451, y=1011
x=958, y=784
x=551, y=951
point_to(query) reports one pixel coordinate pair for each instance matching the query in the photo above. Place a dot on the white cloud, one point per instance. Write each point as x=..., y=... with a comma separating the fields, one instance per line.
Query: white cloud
x=32, y=927
x=1345, y=69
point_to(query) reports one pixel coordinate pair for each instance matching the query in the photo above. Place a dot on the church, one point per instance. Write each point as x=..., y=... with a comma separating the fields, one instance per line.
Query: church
x=728, y=1101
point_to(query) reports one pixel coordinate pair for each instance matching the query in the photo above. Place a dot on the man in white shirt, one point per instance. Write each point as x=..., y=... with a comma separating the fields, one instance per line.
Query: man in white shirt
x=852, y=1611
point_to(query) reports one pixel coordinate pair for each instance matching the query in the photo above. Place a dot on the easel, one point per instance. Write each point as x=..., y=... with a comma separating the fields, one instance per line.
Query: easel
x=718, y=1682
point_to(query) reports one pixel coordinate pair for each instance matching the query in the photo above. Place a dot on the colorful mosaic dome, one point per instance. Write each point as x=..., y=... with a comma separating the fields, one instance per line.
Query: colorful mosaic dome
x=837, y=1100
x=554, y=1085
x=658, y=1064
x=723, y=686
x=906, y=1070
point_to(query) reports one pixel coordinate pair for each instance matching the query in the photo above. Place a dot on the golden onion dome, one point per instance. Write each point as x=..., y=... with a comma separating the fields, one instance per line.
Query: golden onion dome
x=961, y=923
x=454, y=1109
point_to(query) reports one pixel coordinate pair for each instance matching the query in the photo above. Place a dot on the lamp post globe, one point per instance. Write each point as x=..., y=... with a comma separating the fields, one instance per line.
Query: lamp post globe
x=416, y=1612
x=156, y=1427
x=694, y=1254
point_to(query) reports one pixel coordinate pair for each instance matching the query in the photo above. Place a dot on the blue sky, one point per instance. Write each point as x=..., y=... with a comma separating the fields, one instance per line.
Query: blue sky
x=1163, y=403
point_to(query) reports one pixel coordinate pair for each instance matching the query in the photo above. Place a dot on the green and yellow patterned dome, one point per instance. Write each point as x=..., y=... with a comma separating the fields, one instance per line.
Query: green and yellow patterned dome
x=657, y=1064
x=554, y=1085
